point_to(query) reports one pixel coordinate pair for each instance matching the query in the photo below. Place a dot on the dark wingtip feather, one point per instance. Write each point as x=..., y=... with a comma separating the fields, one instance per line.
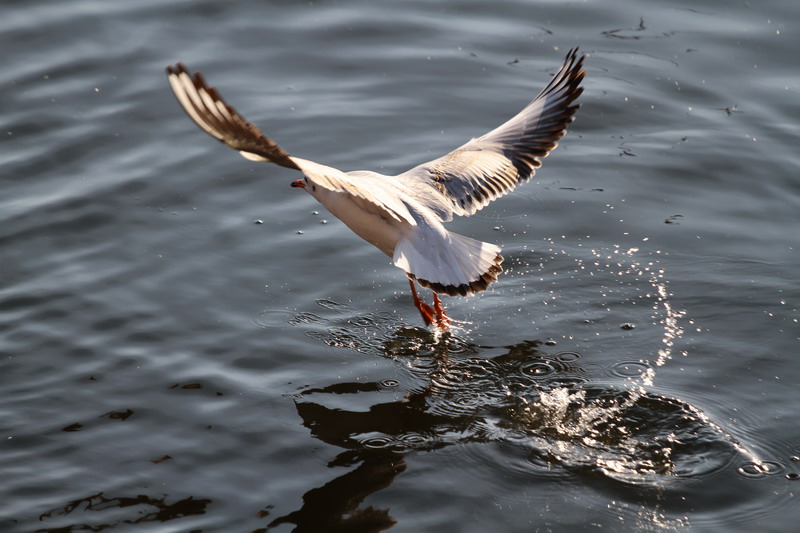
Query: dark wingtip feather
x=233, y=130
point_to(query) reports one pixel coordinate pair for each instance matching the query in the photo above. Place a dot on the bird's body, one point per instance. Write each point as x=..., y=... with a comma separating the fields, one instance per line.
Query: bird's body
x=404, y=215
x=367, y=220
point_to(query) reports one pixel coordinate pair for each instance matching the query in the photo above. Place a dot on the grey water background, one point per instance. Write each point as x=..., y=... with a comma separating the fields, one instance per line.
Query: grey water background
x=167, y=364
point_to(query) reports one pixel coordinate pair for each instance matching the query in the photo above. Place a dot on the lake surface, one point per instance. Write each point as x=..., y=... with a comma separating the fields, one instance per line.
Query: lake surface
x=167, y=364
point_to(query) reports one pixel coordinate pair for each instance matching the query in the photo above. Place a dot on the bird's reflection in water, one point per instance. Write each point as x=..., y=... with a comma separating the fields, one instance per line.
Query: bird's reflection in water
x=558, y=419
x=334, y=507
x=370, y=442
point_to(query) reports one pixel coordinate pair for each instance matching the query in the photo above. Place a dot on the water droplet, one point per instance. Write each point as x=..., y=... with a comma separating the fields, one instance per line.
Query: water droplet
x=537, y=368
x=413, y=439
x=629, y=369
x=755, y=470
x=376, y=442
x=566, y=357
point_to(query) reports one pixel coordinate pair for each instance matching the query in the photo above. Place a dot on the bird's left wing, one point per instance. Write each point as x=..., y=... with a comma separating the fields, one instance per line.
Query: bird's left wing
x=488, y=167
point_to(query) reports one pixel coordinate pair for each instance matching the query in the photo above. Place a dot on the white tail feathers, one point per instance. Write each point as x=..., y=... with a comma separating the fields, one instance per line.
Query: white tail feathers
x=449, y=263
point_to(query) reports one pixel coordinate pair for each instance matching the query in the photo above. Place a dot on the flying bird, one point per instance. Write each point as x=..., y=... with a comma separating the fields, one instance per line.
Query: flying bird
x=403, y=215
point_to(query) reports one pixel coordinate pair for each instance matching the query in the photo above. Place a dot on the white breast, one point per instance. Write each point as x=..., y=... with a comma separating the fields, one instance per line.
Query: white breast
x=368, y=221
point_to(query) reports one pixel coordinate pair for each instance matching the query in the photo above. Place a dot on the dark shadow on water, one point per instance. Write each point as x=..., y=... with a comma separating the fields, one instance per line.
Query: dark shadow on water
x=148, y=510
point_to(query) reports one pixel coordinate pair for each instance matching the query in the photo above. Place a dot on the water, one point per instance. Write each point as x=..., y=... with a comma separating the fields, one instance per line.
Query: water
x=169, y=365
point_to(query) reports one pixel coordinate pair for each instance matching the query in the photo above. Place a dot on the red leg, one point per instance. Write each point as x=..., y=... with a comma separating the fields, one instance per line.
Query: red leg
x=442, y=320
x=425, y=310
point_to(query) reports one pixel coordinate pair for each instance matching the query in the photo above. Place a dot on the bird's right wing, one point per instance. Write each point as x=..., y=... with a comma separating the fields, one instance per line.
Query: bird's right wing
x=208, y=110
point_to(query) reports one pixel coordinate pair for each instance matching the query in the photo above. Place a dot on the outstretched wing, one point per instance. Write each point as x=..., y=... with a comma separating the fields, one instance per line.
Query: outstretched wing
x=490, y=166
x=209, y=111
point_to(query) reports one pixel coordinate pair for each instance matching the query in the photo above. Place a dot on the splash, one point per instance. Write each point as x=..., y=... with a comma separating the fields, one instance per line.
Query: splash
x=556, y=407
x=671, y=327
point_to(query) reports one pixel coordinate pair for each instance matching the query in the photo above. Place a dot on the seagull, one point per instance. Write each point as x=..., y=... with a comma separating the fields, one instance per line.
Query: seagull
x=404, y=215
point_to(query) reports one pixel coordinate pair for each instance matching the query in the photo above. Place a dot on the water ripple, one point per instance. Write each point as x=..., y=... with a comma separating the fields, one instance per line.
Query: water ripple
x=629, y=369
x=758, y=470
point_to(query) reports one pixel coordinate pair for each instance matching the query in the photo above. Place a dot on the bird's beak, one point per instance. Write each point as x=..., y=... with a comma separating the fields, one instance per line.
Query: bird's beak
x=299, y=183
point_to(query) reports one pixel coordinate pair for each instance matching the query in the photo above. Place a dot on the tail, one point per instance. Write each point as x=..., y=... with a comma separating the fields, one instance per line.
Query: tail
x=455, y=265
